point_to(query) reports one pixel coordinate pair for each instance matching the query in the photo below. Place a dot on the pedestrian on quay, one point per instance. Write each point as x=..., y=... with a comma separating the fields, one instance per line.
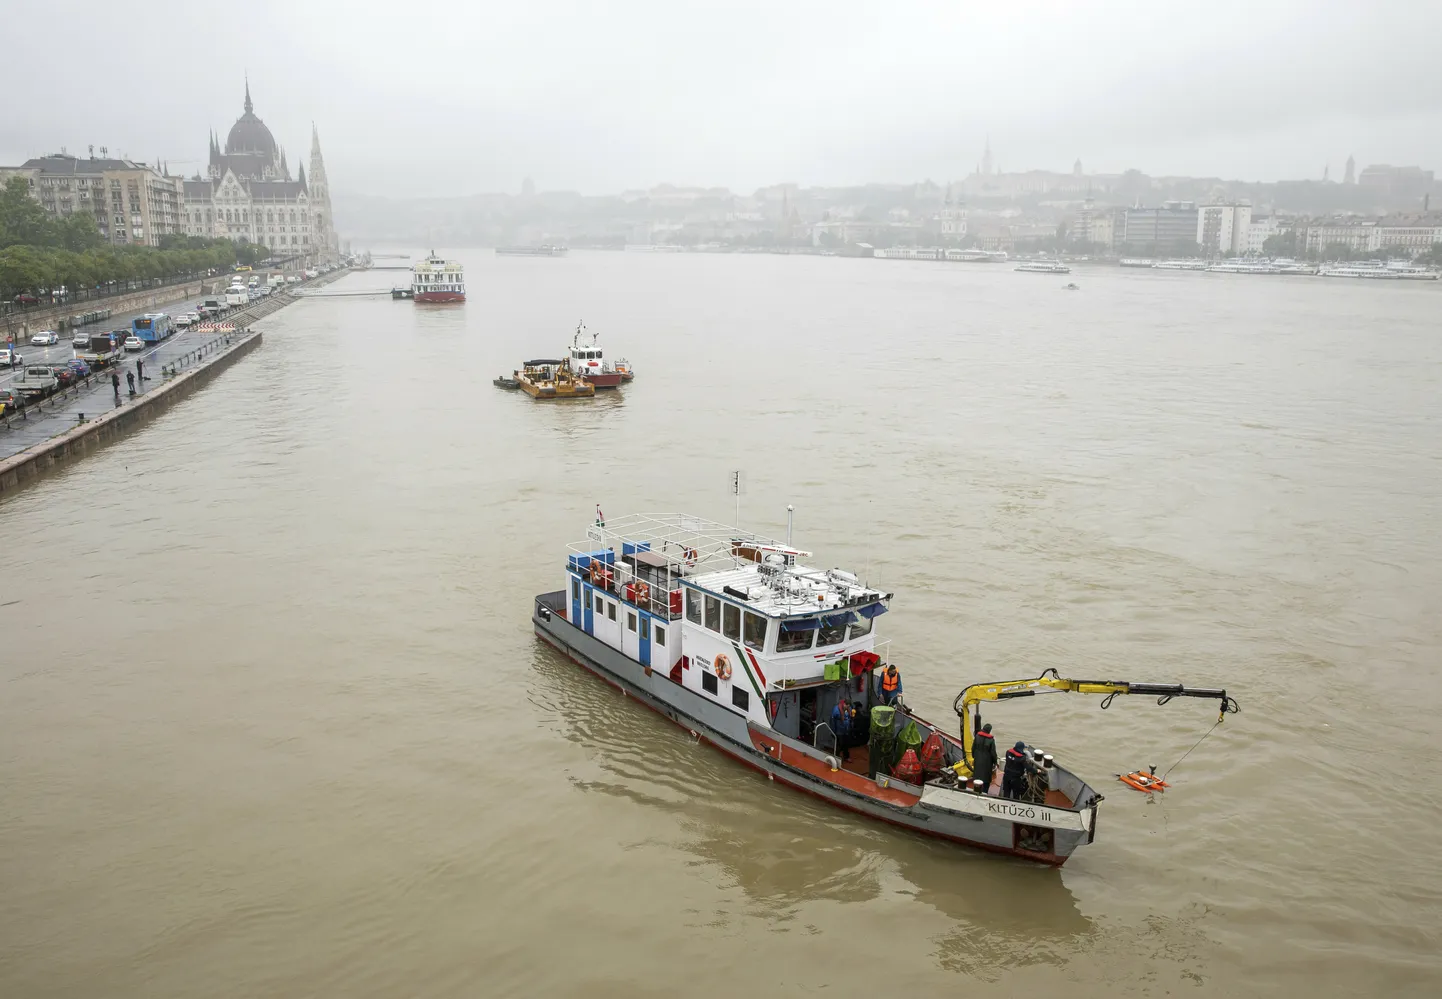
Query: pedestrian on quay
x=130, y=380
x=115, y=383
x=140, y=370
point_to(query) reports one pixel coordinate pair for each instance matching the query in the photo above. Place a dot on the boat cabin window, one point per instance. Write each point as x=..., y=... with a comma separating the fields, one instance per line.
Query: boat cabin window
x=832, y=634
x=861, y=626
x=630, y=620
x=575, y=589
x=755, y=631
x=713, y=614
x=708, y=682
x=740, y=698
x=731, y=621
x=645, y=629
x=661, y=635
x=600, y=605
x=793, y=641
x=611, y=610
x=693, y=606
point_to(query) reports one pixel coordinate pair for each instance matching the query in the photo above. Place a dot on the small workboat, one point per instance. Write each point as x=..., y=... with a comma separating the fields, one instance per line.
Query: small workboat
x=587, y=360
x=1071, y=286
x=506, y=382
x=551, y=378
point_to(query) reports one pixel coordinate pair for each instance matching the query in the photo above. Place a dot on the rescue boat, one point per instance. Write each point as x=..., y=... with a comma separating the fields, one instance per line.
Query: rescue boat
x=732, y=637
x=587, y=360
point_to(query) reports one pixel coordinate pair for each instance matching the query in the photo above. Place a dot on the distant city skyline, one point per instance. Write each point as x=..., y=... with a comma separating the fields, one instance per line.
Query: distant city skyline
x=600, y=99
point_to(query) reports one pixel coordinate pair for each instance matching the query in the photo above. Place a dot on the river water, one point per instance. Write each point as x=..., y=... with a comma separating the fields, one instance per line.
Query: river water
x=274, y=722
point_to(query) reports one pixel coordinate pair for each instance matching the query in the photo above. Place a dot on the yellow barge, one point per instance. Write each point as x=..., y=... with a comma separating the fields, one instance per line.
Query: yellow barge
x=552, y=379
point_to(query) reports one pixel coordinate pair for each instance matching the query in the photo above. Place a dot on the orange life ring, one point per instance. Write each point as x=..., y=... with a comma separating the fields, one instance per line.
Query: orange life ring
x=723, y=667
x=690, y=556
x=642, y=593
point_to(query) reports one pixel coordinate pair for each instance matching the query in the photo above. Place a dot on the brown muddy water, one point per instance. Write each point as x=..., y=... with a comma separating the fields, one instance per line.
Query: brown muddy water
x=273, y=721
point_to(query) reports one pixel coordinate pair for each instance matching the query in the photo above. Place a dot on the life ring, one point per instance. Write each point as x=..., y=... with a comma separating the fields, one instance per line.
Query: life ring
x=690, y=556
x=642, y=593
x=723, y=667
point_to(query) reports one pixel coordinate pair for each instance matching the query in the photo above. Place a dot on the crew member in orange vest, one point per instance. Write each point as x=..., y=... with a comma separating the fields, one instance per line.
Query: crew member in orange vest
x=890, y=685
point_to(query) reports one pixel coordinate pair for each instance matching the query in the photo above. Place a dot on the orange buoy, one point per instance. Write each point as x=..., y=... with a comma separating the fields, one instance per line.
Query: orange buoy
x=1143, y=781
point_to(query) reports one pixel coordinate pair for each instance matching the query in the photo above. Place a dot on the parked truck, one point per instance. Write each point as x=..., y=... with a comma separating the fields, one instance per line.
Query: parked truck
x=102, y=348
x=38, y=381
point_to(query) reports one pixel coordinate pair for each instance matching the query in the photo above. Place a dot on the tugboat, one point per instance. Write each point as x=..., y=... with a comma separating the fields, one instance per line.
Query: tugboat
x=436, y=280
x=586, y=360
x=550, y=378
x=728, y=635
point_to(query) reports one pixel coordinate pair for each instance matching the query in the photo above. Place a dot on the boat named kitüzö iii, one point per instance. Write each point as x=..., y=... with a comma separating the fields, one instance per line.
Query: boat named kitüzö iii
x=436, y=280
x=729, y=636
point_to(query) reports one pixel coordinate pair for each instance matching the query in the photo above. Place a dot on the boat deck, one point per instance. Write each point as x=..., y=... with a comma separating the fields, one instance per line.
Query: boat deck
x=859, y=760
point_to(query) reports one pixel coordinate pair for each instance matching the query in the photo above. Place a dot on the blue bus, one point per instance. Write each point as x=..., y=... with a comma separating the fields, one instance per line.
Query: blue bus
x=151, y=328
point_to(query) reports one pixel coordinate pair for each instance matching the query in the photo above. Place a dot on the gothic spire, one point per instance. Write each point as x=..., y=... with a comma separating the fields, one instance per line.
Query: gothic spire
x=302, y=177
x=249, y=107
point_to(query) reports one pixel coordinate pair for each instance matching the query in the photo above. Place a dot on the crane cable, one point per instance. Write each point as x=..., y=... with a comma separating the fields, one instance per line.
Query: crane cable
x=1229, y=707
x=1189, y=752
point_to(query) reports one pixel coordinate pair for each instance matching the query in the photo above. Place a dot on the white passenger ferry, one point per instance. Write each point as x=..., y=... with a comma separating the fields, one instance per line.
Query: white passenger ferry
x=730, y=636
x=1377, y=271
x=1044, y=267
x=438, y=280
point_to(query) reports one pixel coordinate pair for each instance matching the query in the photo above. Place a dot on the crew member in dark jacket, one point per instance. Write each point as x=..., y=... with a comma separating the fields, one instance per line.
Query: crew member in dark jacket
x=1013, y=777
x=983, y=757
x=860, y=724
x=841, y=728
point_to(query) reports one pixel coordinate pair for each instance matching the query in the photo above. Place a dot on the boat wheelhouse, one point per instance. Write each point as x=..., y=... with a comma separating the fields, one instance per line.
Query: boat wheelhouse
x=729, y=635
x=435, y=279
x=587, y=360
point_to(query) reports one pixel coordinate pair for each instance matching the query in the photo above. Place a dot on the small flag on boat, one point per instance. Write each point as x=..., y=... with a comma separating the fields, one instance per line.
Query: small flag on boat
x=600, y=517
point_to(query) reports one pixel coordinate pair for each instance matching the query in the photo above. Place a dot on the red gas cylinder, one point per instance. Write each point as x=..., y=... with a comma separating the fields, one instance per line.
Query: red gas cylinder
x=909, y=769
x=933, y=756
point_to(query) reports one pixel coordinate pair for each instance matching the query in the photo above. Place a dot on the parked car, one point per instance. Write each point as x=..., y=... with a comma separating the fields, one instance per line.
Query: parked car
x=64, y=375
x=10, y=358
x=80, y=341
x=78, y=366
x=134, y=343
x=10, y=401
x=24, y=299
x=45, y=338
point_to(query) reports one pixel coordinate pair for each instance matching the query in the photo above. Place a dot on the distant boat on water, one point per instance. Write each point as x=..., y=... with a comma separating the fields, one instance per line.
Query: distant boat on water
x=543, y=250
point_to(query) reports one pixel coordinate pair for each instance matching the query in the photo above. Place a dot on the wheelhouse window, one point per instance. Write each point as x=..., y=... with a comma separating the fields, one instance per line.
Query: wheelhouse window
x=693, y=605
x=708, y=682
x=713, y=613
x=861, y=626
x=731, y=621
x=832, y=631
x=794, y=639
x=740, y=698
x=661, y=635
x=755, y=631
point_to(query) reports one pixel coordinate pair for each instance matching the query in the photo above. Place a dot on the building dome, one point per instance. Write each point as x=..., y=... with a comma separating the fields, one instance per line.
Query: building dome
x=249, y=134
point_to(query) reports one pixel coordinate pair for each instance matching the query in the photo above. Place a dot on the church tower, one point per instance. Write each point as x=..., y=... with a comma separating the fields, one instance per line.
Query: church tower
x=319, y=189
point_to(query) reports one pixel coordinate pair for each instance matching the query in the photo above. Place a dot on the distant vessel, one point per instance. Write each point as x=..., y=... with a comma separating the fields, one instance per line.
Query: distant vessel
x=1278, y=266
x=1377, y=271
x=544, y=250
x=1044, y=267
x=436, y=280
x=654, y=248
x=939, y=253
x=1180, y=265
x=1137, y=261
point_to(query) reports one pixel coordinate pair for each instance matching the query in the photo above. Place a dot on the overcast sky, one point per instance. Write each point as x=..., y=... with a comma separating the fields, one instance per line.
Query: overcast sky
x=461, y=98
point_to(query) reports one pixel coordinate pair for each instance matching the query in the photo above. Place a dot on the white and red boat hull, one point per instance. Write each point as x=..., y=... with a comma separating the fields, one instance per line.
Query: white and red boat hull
x=440, y=296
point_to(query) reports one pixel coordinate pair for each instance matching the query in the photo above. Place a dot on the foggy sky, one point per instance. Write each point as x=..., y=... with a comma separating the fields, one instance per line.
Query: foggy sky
x=458, y=98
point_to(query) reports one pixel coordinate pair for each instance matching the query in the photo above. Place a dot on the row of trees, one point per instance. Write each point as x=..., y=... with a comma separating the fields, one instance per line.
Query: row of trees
x=41, y=253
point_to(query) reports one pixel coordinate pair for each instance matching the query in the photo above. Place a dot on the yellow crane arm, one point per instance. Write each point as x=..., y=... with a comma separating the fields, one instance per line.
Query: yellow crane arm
x=967, y=701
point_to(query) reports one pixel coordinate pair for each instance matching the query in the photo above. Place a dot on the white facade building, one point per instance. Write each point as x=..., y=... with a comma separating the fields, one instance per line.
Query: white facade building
x=1222, y=230
x=1261, y=229
x=249, y=196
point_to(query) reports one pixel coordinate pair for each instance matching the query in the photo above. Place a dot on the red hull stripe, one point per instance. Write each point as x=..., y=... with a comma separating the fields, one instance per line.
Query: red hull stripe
x=1051, y=860
x=757, y=666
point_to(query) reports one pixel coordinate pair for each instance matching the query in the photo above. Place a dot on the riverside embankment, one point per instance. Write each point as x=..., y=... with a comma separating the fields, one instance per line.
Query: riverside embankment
x=78, y=420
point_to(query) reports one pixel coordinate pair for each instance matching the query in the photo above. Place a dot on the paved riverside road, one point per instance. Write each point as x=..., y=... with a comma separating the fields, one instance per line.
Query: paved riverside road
x=44, y=419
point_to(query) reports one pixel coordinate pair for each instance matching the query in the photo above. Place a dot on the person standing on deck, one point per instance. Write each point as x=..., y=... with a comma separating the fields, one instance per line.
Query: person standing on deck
x=983, y=757
x=890, y=685
x=841, y=728
x=1013, y=777
x=860, y=724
